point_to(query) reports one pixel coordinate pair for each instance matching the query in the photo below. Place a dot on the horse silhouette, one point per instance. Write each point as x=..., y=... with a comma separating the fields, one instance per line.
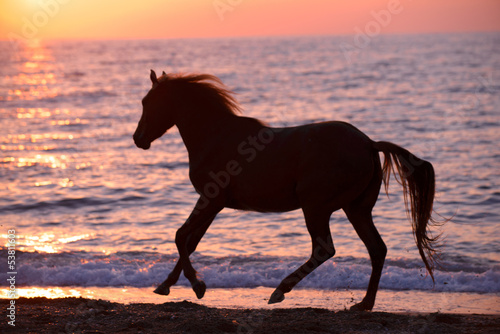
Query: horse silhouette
x=241, y=163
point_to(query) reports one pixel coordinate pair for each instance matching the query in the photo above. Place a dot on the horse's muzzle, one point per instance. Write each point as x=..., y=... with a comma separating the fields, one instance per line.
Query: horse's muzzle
x=141, y=142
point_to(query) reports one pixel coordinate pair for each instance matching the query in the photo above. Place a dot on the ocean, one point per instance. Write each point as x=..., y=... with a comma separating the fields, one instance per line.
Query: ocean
x=95, y=215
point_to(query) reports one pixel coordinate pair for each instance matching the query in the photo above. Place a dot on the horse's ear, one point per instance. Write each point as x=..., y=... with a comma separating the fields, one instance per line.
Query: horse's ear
x=163, y=73
x=153, y=77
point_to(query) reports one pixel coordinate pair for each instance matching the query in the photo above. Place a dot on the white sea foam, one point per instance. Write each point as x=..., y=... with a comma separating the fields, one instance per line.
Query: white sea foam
x=149, y=269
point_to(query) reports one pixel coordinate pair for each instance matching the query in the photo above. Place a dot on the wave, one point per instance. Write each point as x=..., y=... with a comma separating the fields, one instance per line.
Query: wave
x=88, y=96
x=147, y=269
x=168, y=165
x=73, y=98
x=68, y=203
x=74, y=75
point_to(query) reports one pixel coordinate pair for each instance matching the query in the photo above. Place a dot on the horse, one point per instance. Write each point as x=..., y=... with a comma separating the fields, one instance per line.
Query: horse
x=241, y=163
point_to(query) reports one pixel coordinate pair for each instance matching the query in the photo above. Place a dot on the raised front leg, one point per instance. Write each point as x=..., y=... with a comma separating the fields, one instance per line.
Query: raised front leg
x=173, y=277
x=187, y=239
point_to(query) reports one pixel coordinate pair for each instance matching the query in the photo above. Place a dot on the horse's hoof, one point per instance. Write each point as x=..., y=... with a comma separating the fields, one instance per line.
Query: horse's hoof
x=199, y=288
x=162, y=290
x=276, y=297
x=361, y=307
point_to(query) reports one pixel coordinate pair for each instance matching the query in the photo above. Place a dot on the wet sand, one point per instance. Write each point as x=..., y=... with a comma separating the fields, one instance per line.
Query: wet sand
x=81, y=315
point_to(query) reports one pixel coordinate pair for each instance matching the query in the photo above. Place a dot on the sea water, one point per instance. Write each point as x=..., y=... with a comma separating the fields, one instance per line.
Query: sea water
x=92, y=211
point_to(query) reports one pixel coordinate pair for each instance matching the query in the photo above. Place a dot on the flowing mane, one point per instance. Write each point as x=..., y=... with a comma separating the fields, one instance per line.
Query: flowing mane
x=208, y=86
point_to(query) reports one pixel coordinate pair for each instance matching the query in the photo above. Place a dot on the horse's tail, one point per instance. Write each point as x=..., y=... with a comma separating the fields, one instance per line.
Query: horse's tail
x=418, y=181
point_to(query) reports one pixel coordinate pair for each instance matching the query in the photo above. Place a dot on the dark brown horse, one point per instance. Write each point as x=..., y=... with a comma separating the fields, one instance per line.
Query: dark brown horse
x=239, y=162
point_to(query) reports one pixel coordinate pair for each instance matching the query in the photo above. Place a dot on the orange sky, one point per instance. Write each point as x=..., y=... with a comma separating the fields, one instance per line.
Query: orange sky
x=122, y=19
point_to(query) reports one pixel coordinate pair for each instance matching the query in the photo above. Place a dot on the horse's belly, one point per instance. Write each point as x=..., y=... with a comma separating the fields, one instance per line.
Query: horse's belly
x=264, y=198
x=258, y=206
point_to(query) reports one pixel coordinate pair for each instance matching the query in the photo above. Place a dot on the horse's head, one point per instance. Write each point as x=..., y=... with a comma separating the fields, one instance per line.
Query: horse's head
x=156, y=118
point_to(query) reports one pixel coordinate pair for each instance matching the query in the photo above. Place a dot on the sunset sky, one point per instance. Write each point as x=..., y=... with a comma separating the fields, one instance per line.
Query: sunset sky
x=120, y=19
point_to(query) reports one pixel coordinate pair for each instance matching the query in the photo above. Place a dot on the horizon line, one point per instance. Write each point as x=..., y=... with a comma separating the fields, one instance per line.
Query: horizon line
x=21, y=38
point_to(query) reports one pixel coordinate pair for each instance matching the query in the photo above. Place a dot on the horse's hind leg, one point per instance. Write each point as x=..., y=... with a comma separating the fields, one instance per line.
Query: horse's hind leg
x=318, y=225
x=361, y=219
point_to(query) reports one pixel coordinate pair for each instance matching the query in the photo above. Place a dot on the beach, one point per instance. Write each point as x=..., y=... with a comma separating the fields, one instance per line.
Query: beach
x=82, y=315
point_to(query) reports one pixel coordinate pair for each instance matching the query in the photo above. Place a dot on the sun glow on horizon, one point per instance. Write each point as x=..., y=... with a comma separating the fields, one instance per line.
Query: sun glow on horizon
x=113, y=19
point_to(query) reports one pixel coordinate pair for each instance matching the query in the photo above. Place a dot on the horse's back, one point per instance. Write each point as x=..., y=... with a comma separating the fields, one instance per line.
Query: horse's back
x=315, y=160
x=336, y=160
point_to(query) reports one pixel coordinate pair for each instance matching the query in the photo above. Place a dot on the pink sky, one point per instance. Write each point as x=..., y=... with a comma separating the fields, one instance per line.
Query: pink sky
x=119, y=19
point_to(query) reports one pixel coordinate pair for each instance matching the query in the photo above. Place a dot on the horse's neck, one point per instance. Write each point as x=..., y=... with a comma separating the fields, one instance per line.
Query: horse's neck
x=197, y=129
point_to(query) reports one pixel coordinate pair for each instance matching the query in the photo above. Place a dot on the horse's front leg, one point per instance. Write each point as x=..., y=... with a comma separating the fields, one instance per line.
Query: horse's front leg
x=187, y=239
x=164, y=288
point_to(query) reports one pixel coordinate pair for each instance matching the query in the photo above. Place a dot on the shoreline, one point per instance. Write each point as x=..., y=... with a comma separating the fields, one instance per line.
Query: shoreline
x=83, y=315
x=407, y=301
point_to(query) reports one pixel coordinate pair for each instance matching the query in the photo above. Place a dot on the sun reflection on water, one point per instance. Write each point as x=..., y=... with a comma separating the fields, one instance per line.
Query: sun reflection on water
x=43, y=160
x=33, y=138
x=36, y=78
x=47, y=242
